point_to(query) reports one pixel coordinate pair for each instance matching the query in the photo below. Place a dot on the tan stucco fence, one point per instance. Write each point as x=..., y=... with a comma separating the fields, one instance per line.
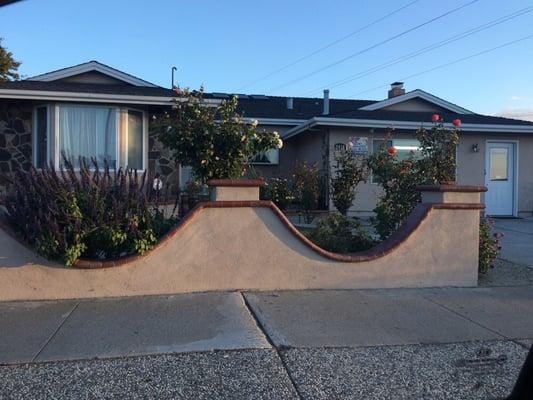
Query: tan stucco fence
x=237, y=242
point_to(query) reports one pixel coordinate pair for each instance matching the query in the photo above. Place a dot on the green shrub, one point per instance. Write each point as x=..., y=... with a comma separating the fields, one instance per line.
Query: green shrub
x=489, y=244
x=350, y=171
x=307, y=183
x=277, y=190
x=400, y=178
x=87, y=213
x=340, y=234
x=213, y=140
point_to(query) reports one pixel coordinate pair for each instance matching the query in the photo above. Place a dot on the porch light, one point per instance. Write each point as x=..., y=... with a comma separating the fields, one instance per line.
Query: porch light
x=475, y=148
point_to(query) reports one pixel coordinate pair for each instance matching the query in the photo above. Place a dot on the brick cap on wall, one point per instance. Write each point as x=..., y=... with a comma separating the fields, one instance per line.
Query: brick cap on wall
x=236, y=182
x=452, y=188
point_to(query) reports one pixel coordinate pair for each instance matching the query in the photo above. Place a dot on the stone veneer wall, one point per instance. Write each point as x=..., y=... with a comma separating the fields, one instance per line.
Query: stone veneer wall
x=15, y=139
x=160, y=162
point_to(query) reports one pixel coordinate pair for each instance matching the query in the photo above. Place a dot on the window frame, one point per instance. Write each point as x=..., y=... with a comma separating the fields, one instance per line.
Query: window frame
x=34, y=142
x=121, y=133
x=127, y=138
x=267, y=163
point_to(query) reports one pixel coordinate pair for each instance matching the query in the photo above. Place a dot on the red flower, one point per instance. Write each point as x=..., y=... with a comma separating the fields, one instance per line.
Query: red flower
x=456, y=122
x=392, y=151
x=435, y=118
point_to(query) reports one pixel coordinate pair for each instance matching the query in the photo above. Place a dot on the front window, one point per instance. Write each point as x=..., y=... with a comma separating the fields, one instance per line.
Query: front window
x=88, y=131
x=107, y=133
x=405, y=148
x=267, y=157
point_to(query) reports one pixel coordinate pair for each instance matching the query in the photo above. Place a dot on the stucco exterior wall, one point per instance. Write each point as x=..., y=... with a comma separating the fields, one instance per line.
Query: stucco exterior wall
x=470, y=165
x=243, y=246
x=414, y=105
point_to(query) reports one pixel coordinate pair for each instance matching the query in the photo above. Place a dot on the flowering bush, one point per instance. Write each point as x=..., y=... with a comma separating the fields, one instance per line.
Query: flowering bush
x=278, y=190
x=96, y=214
x=437, y=148
x=489, y=244
x=307, y=183
x=400, y=178
x=213, y=140
x=350, y=171
x=340, y=234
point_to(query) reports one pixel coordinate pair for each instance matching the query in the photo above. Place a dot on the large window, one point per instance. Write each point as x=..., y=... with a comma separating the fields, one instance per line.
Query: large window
x=88, y=131
x=267, y=157
x=405, y=148
x=107, y=133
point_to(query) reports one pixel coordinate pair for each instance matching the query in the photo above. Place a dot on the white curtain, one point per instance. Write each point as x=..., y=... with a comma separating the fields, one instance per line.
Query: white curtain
x=88, y=131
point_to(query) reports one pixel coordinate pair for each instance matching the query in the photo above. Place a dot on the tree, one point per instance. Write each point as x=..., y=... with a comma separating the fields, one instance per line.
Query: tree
x=214, y=141
x=8, y=65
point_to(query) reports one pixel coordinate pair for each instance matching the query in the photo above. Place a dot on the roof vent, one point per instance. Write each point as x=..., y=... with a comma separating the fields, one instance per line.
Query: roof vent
x=290, y=103
x=396, y=89
x=325, y=110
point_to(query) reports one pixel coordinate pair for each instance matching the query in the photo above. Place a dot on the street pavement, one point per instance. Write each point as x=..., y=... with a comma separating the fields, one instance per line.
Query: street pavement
x=445, y=343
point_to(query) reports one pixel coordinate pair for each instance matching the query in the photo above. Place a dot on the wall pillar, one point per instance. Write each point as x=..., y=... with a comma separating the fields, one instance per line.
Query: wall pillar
x=234, y=189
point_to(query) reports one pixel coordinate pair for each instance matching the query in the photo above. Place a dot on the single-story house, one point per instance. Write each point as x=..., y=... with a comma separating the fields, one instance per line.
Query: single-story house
x=92, y=109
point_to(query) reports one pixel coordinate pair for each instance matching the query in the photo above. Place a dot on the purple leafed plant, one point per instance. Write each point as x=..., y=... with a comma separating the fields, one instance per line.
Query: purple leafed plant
x=88, y=212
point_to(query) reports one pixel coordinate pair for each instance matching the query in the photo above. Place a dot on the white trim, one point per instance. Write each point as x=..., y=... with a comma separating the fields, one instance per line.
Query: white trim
x=89, y=67
x=515, y=144
x=372, y=123
x=275, y=121
x=90, y=97
x=418, y=93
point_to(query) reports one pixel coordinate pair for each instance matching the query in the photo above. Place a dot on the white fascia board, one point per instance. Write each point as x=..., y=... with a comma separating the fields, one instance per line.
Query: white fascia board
x=88, y=67
x=417, y=94
x=372, y=123
x=88, y=97
x=275, y=121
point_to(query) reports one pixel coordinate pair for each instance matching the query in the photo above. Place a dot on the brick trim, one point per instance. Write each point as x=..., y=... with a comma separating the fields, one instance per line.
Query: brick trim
x=452, y=188
x=414, y=220
x=236, y=182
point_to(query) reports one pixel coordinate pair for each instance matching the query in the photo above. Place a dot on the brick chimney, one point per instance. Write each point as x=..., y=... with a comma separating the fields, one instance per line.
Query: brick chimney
x=396, y=89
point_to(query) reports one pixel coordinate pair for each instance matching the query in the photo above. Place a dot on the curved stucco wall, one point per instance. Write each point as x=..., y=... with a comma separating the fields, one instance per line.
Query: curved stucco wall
x=230, y=248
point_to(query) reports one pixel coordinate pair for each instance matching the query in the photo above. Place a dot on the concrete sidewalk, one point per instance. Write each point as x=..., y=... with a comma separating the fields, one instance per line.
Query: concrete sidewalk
x=347, y=344
x=68, y=330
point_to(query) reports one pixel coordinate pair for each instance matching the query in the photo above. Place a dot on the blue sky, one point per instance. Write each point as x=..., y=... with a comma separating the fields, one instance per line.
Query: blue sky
x=227, y=44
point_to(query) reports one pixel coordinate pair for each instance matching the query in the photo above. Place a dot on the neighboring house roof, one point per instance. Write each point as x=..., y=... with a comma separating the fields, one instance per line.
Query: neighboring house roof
x=420, y=94
x=91, y=66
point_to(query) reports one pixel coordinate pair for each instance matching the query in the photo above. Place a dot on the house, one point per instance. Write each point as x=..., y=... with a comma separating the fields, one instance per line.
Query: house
x=92, y=109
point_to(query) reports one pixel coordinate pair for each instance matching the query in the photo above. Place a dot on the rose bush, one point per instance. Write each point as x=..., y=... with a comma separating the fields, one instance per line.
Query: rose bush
x=213, y=140
x=350, y=170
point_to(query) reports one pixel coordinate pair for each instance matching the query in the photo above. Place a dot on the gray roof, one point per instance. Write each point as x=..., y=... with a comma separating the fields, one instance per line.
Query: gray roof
x=274, y=107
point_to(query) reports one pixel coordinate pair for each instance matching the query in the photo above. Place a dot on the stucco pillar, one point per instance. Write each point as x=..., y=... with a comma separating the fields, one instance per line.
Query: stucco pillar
x=234, y=189
x=452, y=194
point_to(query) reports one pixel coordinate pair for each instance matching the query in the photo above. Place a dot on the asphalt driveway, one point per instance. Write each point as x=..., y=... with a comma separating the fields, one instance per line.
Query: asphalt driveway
x=517, y=243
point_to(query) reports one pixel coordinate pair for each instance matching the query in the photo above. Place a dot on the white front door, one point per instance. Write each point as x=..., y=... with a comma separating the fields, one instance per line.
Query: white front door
x=500, y=178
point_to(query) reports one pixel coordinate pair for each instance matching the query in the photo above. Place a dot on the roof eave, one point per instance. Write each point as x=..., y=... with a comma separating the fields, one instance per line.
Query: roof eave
x=384, y=124
x=45, y=95
x=414, y=94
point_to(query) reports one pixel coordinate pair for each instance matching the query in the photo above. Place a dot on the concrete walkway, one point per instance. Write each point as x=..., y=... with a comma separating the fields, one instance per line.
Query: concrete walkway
x=372, y=344
x=517, y=243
